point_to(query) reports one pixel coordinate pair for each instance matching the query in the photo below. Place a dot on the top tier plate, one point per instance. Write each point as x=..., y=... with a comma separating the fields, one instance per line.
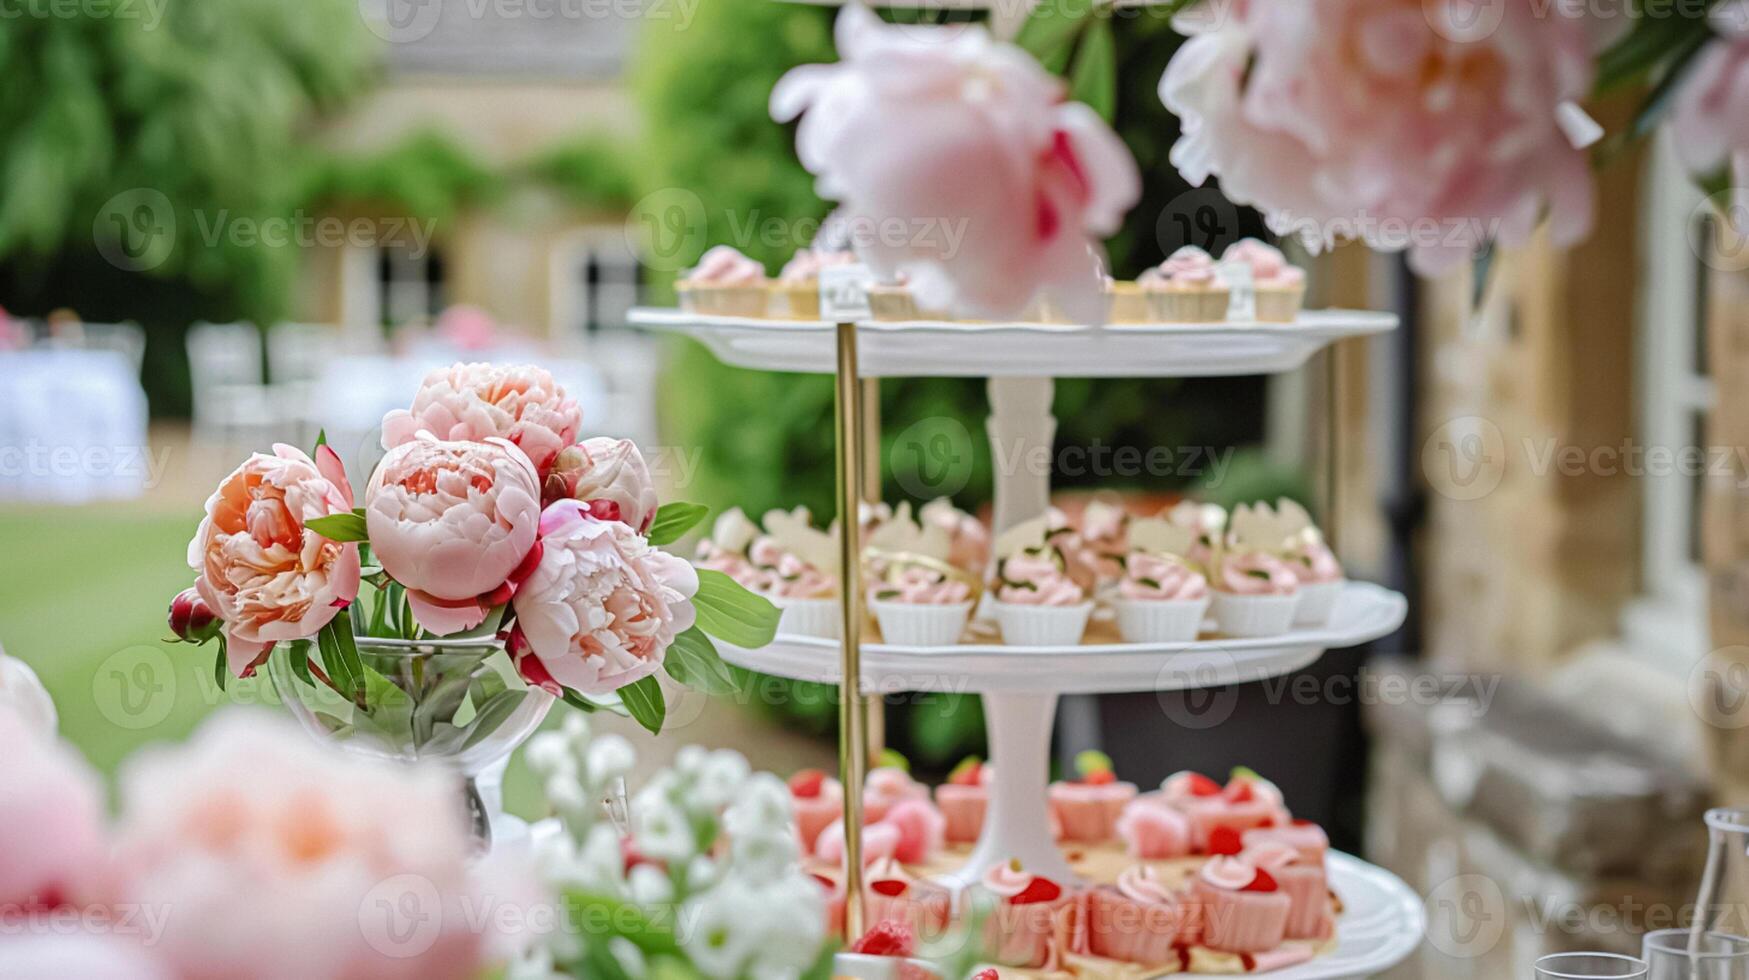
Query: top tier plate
x=931, y=349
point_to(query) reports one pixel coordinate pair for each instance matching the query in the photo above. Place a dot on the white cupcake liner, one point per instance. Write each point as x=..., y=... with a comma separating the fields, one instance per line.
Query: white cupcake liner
x=914, y=624
x=808, y=617
x=1317, y=602
x=1255, y=615
x=1160, y=620
x=1042, y=626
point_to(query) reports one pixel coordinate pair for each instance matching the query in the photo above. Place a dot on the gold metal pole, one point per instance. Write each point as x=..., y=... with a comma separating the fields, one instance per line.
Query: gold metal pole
x=874, y=711
x=853, y=750
x=1332, y=442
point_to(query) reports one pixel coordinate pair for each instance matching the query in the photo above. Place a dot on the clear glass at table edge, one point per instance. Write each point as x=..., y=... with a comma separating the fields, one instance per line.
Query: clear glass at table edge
x=1718, y=956
x=1590, y=966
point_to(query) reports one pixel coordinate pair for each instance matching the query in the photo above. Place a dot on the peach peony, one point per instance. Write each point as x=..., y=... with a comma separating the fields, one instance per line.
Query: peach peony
x=474, y=402
x=602, y=607
x=966, y=148
x=1394, y=121
x=454, y=522
x=610, y=476
x=51, y=820
x=267, y=577
x=277, y=858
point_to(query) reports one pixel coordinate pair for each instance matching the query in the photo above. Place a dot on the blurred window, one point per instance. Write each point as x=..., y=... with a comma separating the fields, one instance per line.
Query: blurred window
x=410, y=283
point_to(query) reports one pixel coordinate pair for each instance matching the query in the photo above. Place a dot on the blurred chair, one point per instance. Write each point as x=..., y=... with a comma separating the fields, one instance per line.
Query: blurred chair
x=295, y=353
x=629, y=363
x=232, y=406
x=127, y=339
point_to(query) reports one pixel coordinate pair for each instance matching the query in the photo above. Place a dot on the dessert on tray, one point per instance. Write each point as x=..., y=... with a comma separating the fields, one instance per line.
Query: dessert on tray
x=1088, y=808
x=1186, y=288
x=1163, y=594
x=1279, y=287
x=916, y=593
x=1037, y=602
x=725, y=283
x=796, y=293
x=964, y=798
x=788, y=563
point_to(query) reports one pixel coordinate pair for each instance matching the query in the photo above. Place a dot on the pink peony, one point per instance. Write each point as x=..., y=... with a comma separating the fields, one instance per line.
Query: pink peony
x=78, y=956
x=1001, y=186
x=266, y=576
x=610, y=476
x=454, y=522
x=277, y=858
x=1711, y=117
x=1390, y=120
x=602, y=607
x=51, y=821
x=474, y=402
x=23, y=693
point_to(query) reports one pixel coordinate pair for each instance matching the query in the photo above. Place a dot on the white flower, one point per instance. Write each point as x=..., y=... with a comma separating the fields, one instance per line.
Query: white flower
x=21, y=691
x=719, y=929
x=610, y=757
x=646, y=884
x=662, y=830
x=720, y=776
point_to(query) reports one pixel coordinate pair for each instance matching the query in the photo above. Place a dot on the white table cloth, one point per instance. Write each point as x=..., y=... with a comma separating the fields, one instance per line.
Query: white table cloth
x=72, y=427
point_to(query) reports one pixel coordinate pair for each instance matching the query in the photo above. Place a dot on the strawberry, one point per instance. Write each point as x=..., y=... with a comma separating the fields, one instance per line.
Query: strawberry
x=1092, y=763
x=1240, y=792
x=889, y=937
x=969, y=772
x=911, y=971
x=988, y=973
x=1302, y=822
x=1225, y=840
x=1100, y=777
x=807, y=784
x=890, y=887
x=825, y=882
x=1262, y=883
x=1038, y=890
x=1201, y=785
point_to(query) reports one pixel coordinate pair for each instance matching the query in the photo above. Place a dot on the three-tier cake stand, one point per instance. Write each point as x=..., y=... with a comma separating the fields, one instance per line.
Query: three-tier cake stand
x=1383, y=919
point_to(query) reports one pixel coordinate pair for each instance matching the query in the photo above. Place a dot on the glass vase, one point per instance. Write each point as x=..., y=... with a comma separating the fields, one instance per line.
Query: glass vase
x=457, y=702
x=1723, y=903
x=1681, y=954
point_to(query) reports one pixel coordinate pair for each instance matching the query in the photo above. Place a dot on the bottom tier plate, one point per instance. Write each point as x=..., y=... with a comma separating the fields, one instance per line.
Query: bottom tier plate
x=1382, y=922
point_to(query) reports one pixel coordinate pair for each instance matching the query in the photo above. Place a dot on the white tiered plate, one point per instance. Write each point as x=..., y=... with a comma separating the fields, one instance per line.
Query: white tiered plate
x=1382, y=923
x=922, y=349
x=1363, y=612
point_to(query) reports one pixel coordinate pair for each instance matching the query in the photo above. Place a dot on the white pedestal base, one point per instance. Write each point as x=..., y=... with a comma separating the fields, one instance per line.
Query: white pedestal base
x=1017, y=823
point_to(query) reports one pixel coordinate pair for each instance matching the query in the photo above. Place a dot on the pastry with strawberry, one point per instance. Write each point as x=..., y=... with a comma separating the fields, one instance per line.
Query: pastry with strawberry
x=818, y=800
x=886, y=785
x=964, y=798
x=832, y=889
x=1241, y=907
x=1090, y=806
x=1303, y=836
x=1138, y=920
x=1022, y=922
x=890, y=893
x=1303, y=881
x=1248, y=801
x=1153, y=831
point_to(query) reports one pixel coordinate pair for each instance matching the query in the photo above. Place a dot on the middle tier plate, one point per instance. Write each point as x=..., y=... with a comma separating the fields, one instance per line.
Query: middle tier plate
x=1363, y=612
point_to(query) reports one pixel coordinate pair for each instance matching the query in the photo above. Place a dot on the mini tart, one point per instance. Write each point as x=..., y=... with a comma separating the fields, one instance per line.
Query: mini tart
x=1089, y=811
x=794, y=300
x=712, y=299
x=1251, y=918
x=1023, y=924
x=1134, y=926
x=1125, y=303
x=892, y=302
x=1170, y=302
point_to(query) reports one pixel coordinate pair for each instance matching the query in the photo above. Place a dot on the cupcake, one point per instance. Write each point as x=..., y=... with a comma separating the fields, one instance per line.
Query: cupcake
x=726, y=549
x=1104, y=541
x=1278, y=287
x=1161, y=599
x=1206, y=522
x=921, y=606
x=1310, y=915
x=805, y=594
x=1240, y=907
x=968, y=539
x=1305, y=837
x=1256, y=594
x=1186, y=288
x=891, y=894
x=964, y=798
x=922, y=830
x=796, y=294
x=1218, y=823
x=1153, y=831
x=1020, y=927
x=894, y=301
x=1320, y=577
x=1125, y=302
x=818, y=800
x=879, y=840
x=832, y=891
x=725, y=283
x=1037, y=603
x=886, y=786
x=1089, y=807
x=1138, y=920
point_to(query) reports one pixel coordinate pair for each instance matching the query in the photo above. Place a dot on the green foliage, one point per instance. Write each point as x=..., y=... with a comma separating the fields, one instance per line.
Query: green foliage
x=425, y=175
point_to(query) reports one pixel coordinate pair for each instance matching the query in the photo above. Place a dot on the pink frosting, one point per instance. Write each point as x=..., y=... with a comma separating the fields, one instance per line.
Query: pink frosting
x=787, y=575
x=922, y=829
x=1153, y=830
x=969, y=546
x=807, y=263
x=922, y=587
x=733, y=564
x=1313, y=561
x=878, y=841
x=1268, y=265
x=1006, y=881
x=724, y=266
x=1150, y=576
x=1189, y=266
x=1269, y=855
x=1262, y=790
x=1228, y=873
x=1141, y=883
x=1256, y=573
x=1034, y=579
x=890, y=784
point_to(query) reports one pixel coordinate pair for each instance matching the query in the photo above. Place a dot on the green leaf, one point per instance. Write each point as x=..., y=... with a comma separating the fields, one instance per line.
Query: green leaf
x=321, y=440
x=693, y=660
x=493, y=714
x=222, y=666
x=643, y=699
x=1651, y=40
x=727, y=611
x=340, y=655
x=580, y=702
x=300, y=661
x=339, y=527
x=1095, y=79
x=675, y=519
x=1091, y=761
x=1050, y=30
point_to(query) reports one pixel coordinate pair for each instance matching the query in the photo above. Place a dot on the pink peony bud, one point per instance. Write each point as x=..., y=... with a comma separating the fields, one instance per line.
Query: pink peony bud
x=610, y=476
x=191, y=619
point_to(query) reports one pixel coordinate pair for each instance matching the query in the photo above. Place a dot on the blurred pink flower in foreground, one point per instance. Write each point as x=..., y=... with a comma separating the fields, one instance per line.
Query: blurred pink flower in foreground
x=471, y=402
x=277, y=858
x=466, y=328
x=266, y=576
x=602, y=607
x=78, y=956
x=51, y=821
x=1711, y=117
x=958, y=163
x=1394, y=121
x=23, y=693
x=610, y=476
x=454, y=522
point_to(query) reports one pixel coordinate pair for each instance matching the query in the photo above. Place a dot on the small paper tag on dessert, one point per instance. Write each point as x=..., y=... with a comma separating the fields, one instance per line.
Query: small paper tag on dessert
x=1241, y=290
x=844, y=293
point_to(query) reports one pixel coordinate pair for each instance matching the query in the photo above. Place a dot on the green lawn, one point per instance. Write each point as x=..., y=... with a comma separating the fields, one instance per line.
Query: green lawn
x=83, y=596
